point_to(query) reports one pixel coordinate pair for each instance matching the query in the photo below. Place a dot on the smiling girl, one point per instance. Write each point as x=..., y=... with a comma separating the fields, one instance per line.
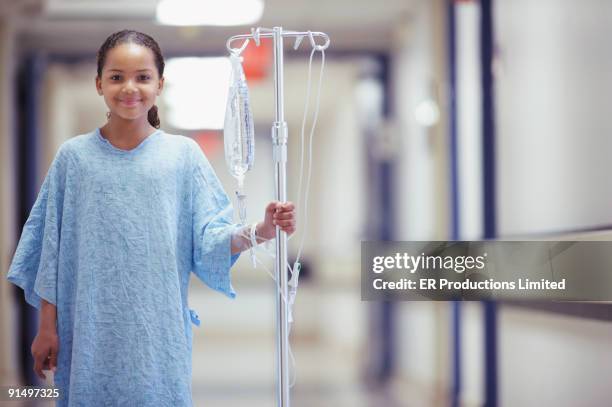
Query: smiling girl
x=123, y=217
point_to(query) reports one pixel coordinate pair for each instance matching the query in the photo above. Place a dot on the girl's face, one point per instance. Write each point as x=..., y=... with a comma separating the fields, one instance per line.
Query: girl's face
x=130, y=82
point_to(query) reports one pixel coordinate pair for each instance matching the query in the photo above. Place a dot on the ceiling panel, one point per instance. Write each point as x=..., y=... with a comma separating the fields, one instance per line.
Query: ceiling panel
x=80, y=25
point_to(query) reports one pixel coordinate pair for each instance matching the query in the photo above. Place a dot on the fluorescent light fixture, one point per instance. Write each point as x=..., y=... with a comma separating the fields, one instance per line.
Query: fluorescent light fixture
x=195, y=92
x=209, y=12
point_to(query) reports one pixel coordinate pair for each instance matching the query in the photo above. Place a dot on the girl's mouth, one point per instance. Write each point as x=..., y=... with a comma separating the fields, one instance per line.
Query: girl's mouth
x=129, y=102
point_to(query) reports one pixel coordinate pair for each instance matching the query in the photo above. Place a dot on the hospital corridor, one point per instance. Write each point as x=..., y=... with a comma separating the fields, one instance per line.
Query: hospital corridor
x=126, y=195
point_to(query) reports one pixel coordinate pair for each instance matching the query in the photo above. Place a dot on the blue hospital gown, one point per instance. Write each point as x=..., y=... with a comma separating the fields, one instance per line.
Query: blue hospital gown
x=111, y=241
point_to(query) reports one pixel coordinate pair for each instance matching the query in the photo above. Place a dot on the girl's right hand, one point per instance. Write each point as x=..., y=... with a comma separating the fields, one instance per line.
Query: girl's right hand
x=44, y=350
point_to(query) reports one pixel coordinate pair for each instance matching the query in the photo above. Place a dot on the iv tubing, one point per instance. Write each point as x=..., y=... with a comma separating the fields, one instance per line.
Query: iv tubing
x=312, y=128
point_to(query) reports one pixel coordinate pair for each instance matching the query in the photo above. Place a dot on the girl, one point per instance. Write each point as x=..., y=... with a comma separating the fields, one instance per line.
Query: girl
x=124, y=215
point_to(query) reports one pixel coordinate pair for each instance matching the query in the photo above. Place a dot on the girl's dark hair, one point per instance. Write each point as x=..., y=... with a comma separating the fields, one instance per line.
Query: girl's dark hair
x=134, y=37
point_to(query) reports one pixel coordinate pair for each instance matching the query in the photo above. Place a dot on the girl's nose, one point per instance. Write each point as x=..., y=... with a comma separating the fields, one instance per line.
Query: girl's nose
x=129, y=87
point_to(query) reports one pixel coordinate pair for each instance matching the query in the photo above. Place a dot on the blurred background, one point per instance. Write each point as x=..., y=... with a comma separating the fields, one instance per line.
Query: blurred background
x=439, y=119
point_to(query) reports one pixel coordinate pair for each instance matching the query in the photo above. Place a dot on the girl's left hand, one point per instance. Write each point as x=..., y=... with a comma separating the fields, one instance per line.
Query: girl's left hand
x=281, y=214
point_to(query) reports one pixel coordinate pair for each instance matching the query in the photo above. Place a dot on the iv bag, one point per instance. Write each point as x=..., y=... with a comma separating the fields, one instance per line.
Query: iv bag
x=238, y=132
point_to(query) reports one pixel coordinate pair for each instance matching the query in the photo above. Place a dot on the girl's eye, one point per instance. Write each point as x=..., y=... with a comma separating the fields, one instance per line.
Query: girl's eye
x=115, y=77
x=144, y=77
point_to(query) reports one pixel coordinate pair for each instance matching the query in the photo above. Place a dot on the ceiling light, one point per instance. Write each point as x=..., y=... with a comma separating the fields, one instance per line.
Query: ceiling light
x=209, y=12
x=427, y=113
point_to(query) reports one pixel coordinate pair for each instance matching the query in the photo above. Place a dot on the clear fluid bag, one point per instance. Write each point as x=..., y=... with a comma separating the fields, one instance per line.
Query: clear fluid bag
x=238, y=131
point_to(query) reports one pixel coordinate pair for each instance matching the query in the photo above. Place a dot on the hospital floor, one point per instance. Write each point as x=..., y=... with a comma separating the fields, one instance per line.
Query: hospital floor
x=237, y=369
x=225, y=375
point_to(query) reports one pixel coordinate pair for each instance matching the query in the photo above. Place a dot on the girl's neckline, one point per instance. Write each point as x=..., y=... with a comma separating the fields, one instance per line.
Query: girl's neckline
x=110, y=146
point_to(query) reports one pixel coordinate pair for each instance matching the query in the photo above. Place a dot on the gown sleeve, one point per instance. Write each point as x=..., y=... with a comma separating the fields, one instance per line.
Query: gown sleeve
x=35, y=263
x=212, y=227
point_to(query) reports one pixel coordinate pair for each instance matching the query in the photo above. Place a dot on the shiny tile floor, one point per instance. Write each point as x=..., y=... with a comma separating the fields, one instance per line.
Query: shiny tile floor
x=234, y=358
x=228, y=374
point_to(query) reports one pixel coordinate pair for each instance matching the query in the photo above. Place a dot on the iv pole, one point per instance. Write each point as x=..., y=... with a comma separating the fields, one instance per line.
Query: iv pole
x=279, y=145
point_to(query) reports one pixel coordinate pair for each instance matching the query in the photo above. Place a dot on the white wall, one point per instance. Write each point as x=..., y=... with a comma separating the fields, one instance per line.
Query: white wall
x=469, y=120
x=419, y=73
x=472, y=354
x=553, y=78
x=553, y=360
x=468, y=99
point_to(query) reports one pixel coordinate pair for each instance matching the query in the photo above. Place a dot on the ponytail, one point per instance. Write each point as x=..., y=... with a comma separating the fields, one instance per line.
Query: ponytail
x=153, y=117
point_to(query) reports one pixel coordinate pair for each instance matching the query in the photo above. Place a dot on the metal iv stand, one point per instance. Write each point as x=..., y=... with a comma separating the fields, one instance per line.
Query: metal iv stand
x=279, y=142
